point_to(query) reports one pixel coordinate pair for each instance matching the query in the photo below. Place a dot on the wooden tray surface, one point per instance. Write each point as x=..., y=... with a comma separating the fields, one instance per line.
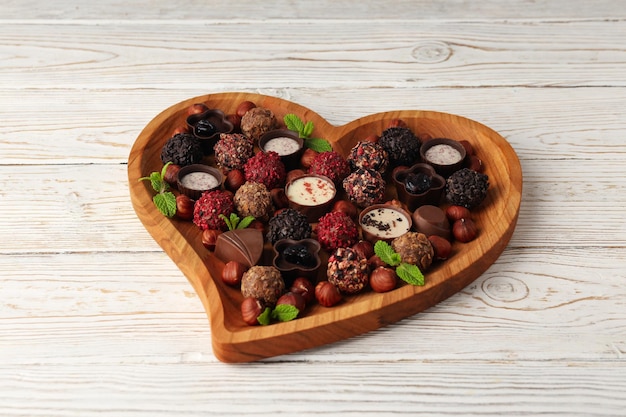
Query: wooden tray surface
x=232, y=339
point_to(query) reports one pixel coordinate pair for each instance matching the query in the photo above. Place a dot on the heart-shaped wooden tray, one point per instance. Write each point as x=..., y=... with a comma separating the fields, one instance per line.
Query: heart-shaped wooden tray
x=232, y=339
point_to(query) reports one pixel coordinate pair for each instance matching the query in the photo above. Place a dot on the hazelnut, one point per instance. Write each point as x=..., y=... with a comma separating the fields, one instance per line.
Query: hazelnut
x=294, y=174
x=327, y=294
x=256, y=224
x=469, y=149
x=371, y=138
x=383, y=279
x=346, y=207
x=307, y=157
x=304, y=287
x=441, y=246
x=234, y=179
x=279, y=198
x=181, y=129
x=464, y=230
x=294, y=299
x=197, y=108
x=184, y=207
x=171, y=174
x=251, y=309
x=364, y=248
x=397, y=123
x=235, y=120
x=232, y=273
x=244, y=107
x=475, y=163
x=375, y=261
x=455, y=213
x=209, y=238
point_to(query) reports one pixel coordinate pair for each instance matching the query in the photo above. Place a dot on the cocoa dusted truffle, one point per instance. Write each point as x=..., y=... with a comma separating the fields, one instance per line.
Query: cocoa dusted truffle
x=232, y=151
x=368, y=155
x=264, y=283
x=182, y=149
x=401, y=144
x=336, y=230
x=258, y=121
x=414, y=248
x=253, y=199
x=365, y=187
x=207, y=210
x=288, y=224
x=331, y=165
x=266, y=168
x=467, y=188
x=347, y=270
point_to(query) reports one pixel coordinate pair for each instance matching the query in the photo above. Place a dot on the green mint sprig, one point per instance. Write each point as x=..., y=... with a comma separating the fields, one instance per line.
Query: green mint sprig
x=234, y=222
x=408, y=273
x=282, y=312
x=164, y=200
x=305, y=130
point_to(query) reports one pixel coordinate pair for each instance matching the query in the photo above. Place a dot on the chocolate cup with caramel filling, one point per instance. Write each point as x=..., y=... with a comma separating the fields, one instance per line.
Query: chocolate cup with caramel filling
x=195, y=193
x=290, y=270
x=208, y=126
x=445, y=170
x=291, y=160
x=431, y=196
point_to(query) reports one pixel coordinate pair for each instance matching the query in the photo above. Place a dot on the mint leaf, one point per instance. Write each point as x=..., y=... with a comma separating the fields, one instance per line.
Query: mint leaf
x=294, y=123
x=386, y=253
x=245, y=222
x=166, y=203
x=234, y=220
x=318, y=145
x=285, y=312
x=265, y=317
x=307, y=129
x=410, y=274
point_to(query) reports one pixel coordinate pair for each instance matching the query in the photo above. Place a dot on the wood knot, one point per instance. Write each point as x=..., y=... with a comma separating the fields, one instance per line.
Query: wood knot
x=431, y=52
x=505, y=289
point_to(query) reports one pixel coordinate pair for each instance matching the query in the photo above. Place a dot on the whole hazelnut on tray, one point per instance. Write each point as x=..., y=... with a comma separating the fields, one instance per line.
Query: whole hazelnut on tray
x=383, y=279
x=327, y=294
x=251, y=309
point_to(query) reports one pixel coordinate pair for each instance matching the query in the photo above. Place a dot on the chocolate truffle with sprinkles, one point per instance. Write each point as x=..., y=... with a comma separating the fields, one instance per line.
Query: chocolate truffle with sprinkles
x=182, y=149
x=402, y=146
x=365, y=187
x=288, y=224
x=347, y=270
x=368, y=155
x=336, y=230
x=467, y=188
x=253, y=199
x=233, y=150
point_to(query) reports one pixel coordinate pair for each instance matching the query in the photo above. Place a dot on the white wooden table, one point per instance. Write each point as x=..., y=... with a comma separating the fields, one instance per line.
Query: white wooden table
x=96, y=320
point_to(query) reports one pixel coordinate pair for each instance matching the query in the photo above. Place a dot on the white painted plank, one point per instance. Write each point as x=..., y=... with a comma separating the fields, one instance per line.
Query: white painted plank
x=252, y=54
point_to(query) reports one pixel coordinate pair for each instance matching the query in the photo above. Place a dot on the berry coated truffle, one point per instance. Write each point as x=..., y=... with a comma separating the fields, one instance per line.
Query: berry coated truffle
x=207, y=210
x=336, y=230
x=267, y=169
x=330, y=164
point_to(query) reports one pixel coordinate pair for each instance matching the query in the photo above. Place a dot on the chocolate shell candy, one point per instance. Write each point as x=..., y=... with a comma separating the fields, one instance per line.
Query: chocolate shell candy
x=244, y=246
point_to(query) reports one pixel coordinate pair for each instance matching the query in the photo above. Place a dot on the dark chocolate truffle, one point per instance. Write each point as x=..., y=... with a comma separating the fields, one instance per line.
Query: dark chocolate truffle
x=182, y=149
x=402, y=146
x=288, y=224
x=365, y=187
x=467, y=188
